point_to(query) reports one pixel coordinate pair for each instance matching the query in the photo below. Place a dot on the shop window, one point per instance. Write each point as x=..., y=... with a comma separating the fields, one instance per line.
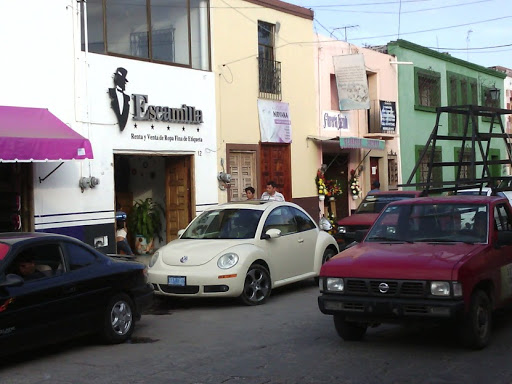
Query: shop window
x=165, y=31
x=427, y=89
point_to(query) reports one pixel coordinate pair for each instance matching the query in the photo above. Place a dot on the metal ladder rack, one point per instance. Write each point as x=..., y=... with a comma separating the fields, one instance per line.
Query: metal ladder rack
x=471, y=134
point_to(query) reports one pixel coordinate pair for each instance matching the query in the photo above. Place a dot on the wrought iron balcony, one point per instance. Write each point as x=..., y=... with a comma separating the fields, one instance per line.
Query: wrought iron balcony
x=269, y=79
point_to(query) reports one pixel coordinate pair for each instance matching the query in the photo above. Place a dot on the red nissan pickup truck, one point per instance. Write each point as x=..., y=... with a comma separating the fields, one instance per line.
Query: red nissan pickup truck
x=367, y=213
x=434, y=259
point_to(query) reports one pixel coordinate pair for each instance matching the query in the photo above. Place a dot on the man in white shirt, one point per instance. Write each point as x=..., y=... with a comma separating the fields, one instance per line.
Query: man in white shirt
x=271, y=193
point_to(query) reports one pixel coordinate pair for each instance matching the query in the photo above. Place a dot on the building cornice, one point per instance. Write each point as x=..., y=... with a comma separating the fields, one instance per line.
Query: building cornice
x=443, y=56
x=285, y=7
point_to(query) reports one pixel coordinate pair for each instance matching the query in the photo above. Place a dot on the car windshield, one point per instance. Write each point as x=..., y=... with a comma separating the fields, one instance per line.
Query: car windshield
x=444, y=222
x=224, y=224
x=376, y=203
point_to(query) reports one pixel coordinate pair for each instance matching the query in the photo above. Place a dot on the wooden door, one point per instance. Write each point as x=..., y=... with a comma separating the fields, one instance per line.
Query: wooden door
x=276, y=165
x=374, y=170
x=178, y=195
x=242, y=167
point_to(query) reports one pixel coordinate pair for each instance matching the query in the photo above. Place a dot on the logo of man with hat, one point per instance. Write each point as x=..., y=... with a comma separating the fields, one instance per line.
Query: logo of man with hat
x=119, y=100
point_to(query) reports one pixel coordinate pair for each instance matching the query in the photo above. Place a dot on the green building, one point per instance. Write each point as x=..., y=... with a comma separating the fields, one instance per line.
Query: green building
x=428, y=79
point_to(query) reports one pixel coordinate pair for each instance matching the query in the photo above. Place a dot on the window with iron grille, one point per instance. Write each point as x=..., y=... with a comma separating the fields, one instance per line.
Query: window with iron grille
x=427, y=89
x=436, y=178
x=269, y=70
x=163, y=31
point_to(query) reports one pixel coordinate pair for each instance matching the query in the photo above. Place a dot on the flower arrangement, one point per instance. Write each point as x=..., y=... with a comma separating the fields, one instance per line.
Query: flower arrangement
x=333, y=188
x=320, y=183
x=355, y=188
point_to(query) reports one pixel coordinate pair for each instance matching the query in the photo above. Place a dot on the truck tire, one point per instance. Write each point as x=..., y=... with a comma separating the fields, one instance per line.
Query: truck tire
x=477, y=323
x=349, y=330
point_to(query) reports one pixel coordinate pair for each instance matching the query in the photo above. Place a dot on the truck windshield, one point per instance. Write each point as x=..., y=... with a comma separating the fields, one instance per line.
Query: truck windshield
x=447, y=222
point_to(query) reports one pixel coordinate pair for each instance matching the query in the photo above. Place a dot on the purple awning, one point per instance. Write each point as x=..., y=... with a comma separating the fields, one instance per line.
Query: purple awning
x=35, y=134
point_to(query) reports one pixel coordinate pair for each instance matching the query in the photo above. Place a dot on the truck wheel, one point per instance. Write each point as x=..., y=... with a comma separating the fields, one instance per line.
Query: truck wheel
x=349, y=330
x=476, y=325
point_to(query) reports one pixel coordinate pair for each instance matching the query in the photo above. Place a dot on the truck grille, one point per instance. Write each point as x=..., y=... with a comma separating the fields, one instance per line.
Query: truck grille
x=397, y=288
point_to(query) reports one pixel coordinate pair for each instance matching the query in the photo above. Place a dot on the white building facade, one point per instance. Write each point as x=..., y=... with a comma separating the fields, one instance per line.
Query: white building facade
x=159, y=143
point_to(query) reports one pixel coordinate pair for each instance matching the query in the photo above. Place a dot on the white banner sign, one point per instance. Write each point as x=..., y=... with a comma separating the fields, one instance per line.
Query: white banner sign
x=275, y=121
x=351, y=82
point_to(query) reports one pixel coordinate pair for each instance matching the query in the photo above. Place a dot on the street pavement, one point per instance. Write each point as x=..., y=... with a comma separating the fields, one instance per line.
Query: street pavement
x=285, y=341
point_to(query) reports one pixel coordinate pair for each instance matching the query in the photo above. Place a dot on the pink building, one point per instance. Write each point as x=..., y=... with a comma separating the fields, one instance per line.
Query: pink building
x=362, y=138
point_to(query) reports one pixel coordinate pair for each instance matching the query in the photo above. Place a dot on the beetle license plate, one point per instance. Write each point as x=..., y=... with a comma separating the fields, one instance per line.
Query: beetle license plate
x=179, y=281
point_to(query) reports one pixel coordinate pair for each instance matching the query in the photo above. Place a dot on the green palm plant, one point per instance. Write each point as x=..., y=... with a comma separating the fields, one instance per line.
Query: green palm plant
x=146, y=219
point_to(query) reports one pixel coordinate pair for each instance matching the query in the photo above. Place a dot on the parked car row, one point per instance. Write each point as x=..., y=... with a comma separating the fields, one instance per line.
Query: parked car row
x=434, y=259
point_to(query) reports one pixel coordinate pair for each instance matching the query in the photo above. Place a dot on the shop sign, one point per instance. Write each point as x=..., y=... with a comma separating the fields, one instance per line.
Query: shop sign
x=275, y=121
x=334, y=120
x=358, y=142
x=142, y=110
x=387, y=116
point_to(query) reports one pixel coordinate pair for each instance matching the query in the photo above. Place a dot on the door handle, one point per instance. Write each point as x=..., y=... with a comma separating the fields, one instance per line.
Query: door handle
x=300, y=240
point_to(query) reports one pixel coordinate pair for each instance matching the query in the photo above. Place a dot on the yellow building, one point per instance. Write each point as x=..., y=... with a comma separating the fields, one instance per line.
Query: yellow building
x=263, y=57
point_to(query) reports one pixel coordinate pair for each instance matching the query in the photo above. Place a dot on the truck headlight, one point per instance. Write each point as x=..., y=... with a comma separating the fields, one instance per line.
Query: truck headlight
x=342, y=229
x=227, y=260
x=334, y=284
x=440, y=288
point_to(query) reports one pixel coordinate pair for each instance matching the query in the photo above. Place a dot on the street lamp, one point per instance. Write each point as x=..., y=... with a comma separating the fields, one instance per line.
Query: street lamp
x=494, y=93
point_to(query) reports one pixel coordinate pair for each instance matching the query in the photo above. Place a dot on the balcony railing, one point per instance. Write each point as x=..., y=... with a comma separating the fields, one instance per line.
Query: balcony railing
x=269, y=79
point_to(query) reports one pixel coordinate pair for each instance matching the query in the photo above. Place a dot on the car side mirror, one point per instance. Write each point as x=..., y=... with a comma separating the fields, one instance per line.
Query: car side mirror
x=360, y=235
x=181, y=232
x=504, y=238
x=12, y=280
x=272, y=233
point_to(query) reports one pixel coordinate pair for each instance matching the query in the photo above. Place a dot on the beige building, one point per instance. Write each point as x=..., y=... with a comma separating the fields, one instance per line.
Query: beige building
x=363, y=140
x=263, y=58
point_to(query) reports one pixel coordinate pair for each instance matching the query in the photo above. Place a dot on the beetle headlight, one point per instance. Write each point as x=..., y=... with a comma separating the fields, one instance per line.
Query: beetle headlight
x=228, y=260
x=154, y=258
x=335, y=284
x=440, y=288
x=342, y=229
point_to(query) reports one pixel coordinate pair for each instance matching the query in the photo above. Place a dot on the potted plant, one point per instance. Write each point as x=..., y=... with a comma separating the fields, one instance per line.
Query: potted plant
x=145, y=223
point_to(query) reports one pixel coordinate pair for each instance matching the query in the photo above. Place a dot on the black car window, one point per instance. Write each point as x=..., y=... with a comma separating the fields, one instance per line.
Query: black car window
x=39, y=261
x=304, y=223
x=79, y=257
x=376, y=203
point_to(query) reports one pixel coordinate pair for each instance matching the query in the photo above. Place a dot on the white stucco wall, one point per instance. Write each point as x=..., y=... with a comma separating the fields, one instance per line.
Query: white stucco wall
x=46, y=68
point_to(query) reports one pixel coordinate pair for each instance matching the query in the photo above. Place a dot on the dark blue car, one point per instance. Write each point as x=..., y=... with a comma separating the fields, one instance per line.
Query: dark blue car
x=55, y=287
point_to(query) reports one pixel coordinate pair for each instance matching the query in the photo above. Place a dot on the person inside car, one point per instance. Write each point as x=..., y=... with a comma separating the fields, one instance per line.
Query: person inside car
x=26, y=267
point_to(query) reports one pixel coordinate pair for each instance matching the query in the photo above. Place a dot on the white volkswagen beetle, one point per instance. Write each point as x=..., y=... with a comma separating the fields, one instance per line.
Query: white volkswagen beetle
x=243, y=250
